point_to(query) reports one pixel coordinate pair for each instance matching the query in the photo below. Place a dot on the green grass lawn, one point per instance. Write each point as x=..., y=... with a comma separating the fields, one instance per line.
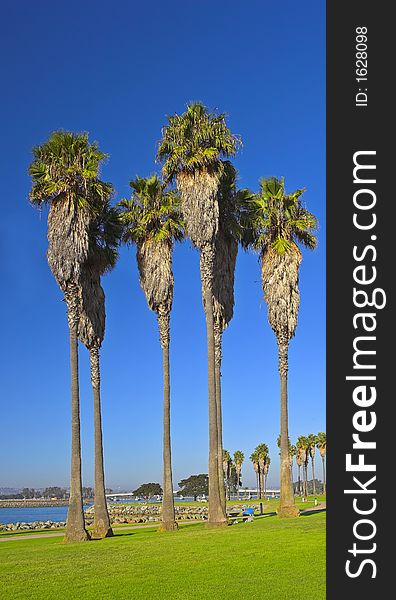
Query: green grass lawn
x=269, y=506
x=267, y=559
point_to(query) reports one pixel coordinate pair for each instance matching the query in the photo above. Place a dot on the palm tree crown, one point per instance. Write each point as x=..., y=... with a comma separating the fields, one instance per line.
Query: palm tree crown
x=152, y=220
x=274, y=222
x=65, y=174
x=278, y=219
x=152, y=213
x=195, y=140
x=321, y=442
x=239, y=457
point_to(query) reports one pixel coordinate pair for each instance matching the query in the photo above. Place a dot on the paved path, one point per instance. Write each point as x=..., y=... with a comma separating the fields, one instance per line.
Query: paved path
x=321, y=506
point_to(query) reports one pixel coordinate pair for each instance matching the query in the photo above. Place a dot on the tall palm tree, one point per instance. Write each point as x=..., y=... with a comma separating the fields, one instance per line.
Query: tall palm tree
x=239, y=457
x=65, y=176
x=104, y=235
x=276, y=222
x=321, y=445
x=255, y=461
x=312, y=441
x=152, y=221
x=191, y=150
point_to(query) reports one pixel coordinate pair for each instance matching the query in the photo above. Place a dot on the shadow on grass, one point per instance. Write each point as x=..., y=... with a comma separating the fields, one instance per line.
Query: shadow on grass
x=307, y=513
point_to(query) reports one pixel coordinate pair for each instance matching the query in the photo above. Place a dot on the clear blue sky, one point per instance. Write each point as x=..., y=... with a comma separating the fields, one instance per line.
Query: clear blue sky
x=115, y=69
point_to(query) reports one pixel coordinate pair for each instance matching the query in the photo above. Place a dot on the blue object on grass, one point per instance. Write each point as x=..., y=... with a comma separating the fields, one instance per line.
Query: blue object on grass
x=248, y=511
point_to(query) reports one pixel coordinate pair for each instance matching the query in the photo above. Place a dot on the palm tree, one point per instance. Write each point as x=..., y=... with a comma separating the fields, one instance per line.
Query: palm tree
x=255, y=461
x=262, y=455
x=266, y=470
x=302, y=446
x=276, y=222
x=306, y=462
x=312, y=441
x=152, y=221
x=226, y=472
x=191, y=149
x=321, y=445
x=299, y=461
x=104, y=235
x=239, y=457
x=65, y=176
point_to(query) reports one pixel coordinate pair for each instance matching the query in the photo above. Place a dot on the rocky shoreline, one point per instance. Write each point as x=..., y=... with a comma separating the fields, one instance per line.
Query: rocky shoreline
x=22, y=526
x=142, y=513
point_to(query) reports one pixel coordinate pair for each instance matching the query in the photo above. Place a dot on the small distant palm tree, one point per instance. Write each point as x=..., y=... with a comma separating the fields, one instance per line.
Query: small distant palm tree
x=255, y=461
x=299, y=461
x=239, y=457
x=262, y=454
x=104, y=236
x=266, y=470
x=152, y=220
x=227, y=462
x=65, y=176
x=274, y=223
x=191, y=150
x=303, y=450
x=312, y=441
x=321, y=445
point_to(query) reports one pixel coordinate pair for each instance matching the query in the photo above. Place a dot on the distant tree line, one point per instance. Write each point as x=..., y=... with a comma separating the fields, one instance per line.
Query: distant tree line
x=49, y=492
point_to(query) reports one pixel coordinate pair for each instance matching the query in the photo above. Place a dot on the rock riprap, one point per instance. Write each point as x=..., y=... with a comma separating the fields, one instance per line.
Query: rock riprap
x=130, y=513
x=21, y=526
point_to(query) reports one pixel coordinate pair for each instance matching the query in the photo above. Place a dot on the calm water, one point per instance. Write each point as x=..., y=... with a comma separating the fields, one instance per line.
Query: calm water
x=28, y=515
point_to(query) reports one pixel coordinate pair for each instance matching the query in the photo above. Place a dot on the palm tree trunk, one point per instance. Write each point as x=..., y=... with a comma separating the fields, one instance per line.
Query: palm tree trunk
x=217, y=516
x=168, y=506
x=217, y=341
x=313, y=476
x=299, y=479
x=287, y=508
x=102, y=527
x=258, y=485
x=261, y=483
x=324, y=474
x=265, y=485
x=306, y=479
x=75, y=525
